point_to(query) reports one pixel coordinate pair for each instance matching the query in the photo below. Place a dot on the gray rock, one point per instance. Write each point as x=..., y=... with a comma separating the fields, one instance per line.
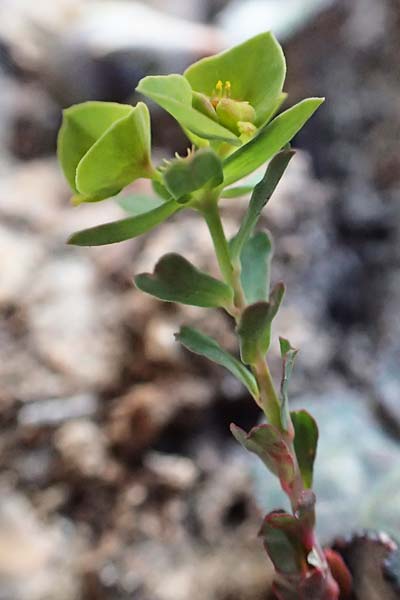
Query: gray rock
x=242, y=19
x=83, y=447
x=177, y=472
x=38, y=561
x=70, y=320
x=56, y=410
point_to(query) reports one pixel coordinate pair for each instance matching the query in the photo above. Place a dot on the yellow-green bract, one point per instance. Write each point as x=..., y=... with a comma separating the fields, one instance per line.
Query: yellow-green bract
x=104, y=146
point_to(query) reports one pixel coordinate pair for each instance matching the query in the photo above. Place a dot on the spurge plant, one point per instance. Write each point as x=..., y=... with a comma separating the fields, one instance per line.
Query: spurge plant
x=227, y=106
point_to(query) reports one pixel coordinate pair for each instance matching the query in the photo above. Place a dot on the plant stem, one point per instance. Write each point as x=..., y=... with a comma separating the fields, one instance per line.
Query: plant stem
x=269, y=400
x=211, y=214
x=269, y=397
x=231, y=274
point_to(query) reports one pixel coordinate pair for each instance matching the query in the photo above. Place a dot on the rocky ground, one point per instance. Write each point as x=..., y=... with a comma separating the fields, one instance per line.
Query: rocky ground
x=118, y=475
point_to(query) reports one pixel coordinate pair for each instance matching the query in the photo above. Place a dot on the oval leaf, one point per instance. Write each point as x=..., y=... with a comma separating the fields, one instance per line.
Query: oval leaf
x=125, y=229
x=254, y=328
x=255, y=262
x=305, y=443
x=175, y=279
x=269, y=140
x=268, y=444
x=202, y=169
x=256, y=70
x=202, y=344
x=282, y=540
x=174, y=94
x=82, y=125
x=118, y=157
x=139, y=204
x=259, y=198
x=237, y=192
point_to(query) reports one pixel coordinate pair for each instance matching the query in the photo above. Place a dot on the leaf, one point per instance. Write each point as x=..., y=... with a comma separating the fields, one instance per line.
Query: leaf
x=305, y=443
x=288, y=355
x=280, y=532
x=174, y=94
x=118, y=157
x=268, y=444
x=82, y=125
x=315, y=586
x=175, y=279
x=259, y=198
x=254, y=328
x=125, y=229
x=203, y=169
x=255, y=261
x=272, y=138
x=161, y=190
x=199, y=343
x=342, y=575
x=104, y=146
x=138, y=204
x=256, y=70
x=236, y=192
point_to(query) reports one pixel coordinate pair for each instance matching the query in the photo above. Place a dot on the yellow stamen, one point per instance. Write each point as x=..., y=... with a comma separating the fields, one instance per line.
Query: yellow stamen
x=228, y=87
x=219, y=87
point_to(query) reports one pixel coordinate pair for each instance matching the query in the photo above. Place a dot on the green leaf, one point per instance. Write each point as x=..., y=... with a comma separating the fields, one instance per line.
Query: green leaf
x=202, y=169
x=282, y=539
x=125, y=229
x=256, y=70
x=288, y=355
x=174, y=94
x=272, y=138
x=259, y=198
x=118, y=157
x=161, y=190
x=267, y=443
x=138, y=204
x=255, y=267
x=82, y=125
x=254, y=328
x=175, y=279
x=305, y=443
x=281, y=100
x=199, y=343
x=195, y=139
x=104, y=146
x=236, y=192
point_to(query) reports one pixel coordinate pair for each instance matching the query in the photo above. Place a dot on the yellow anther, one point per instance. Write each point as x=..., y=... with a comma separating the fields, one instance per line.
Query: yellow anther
x=219, y=87
x=228, y=87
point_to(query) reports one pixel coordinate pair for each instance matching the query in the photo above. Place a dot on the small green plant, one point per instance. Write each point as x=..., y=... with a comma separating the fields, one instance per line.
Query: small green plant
x=227, y=106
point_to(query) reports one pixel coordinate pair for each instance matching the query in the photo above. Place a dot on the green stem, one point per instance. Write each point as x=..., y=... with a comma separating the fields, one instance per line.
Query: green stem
x=269, y=397
x=269, y=400
x=214, y=223
x=231, y=273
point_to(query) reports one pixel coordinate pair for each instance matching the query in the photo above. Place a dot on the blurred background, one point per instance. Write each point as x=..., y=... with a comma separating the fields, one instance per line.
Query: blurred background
x=118, y=475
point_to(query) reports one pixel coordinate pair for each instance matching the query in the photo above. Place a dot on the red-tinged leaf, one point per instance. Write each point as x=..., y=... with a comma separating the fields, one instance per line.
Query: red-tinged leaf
x=284, y=591
x=268, y=444
x=317, y=585
x=340, y=573
x=281, y=536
